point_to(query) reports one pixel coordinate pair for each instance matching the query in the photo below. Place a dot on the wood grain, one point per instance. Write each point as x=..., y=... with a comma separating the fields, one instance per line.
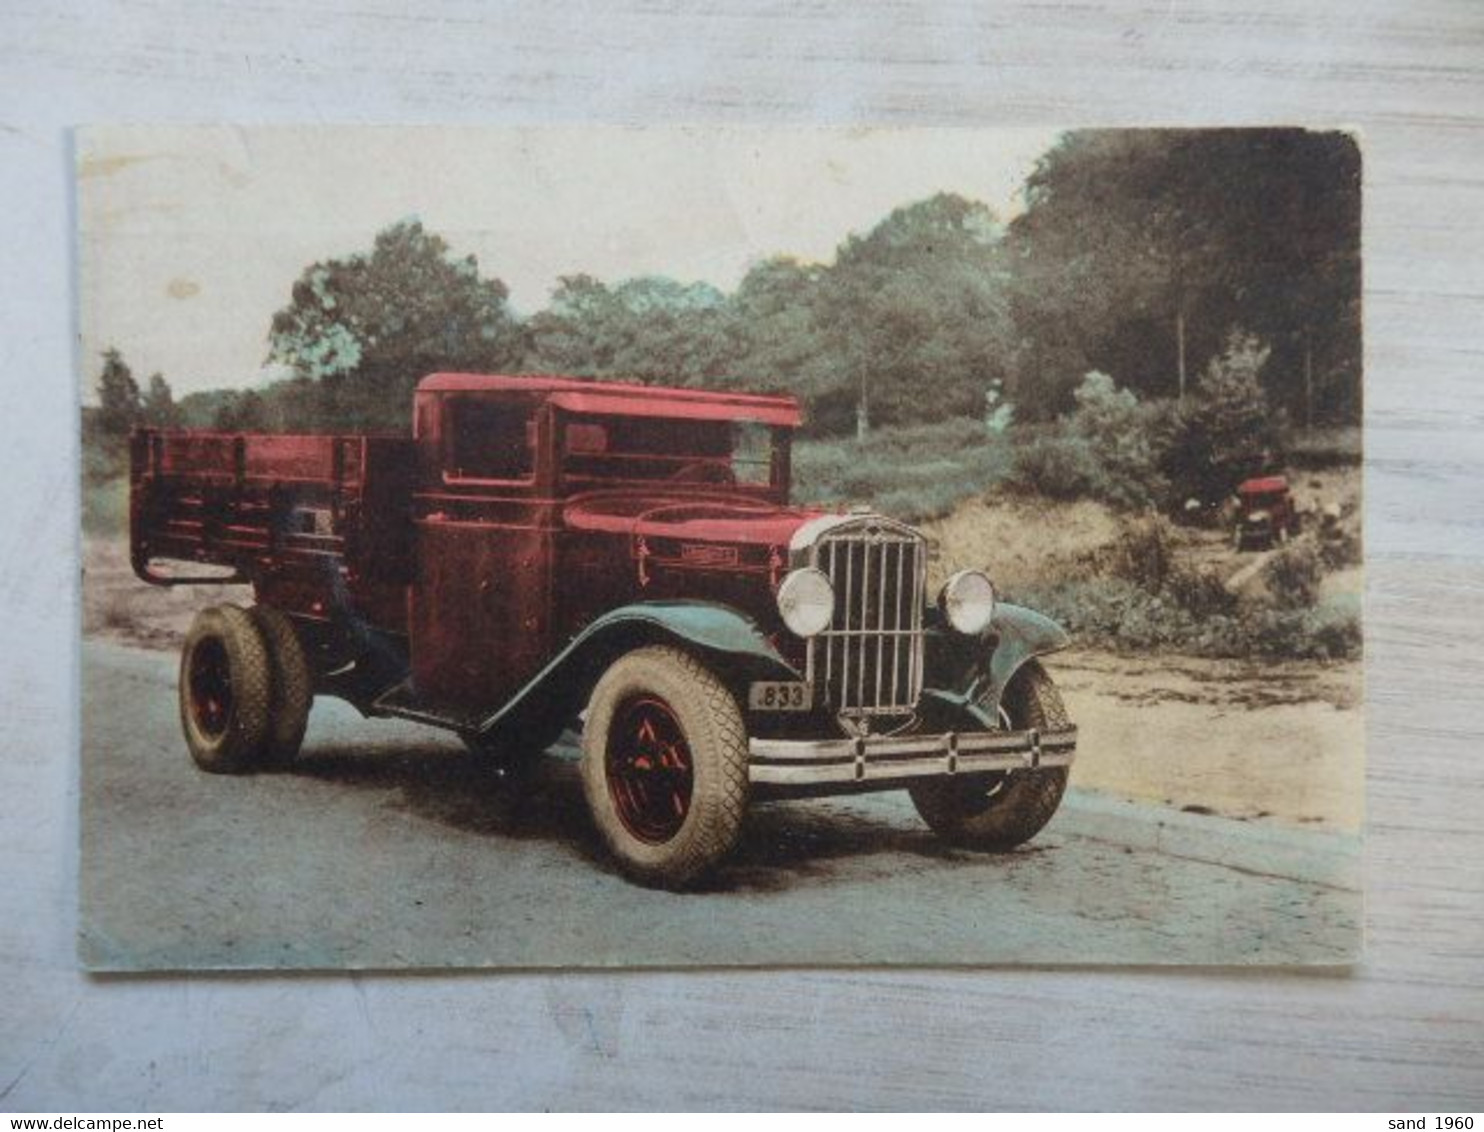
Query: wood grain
x=1406, y=1029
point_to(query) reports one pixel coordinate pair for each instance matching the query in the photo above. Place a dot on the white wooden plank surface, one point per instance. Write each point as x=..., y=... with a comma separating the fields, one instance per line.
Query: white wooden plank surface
x=1404, y=1030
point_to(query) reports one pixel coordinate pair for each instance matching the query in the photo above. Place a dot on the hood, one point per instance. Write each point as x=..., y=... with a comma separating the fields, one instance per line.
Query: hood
x=699, y=520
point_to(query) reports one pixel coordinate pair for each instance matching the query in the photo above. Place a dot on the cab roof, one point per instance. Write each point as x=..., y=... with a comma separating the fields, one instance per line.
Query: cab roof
x=587, y=395
x=1261, y=485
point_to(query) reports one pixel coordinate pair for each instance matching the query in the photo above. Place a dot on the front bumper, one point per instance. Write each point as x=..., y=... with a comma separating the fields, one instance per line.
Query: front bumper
x=882, y=762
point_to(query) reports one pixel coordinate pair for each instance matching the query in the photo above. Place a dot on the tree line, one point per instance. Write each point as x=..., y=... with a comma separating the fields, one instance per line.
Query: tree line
x=1138, y=255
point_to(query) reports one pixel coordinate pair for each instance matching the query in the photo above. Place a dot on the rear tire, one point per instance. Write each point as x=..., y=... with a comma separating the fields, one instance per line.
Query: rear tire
x=225, y=690
x=664, y=766
x=292, y=691
x=1015, y=806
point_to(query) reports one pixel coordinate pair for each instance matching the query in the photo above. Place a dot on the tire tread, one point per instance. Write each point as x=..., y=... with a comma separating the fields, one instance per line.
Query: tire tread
x=292, y=689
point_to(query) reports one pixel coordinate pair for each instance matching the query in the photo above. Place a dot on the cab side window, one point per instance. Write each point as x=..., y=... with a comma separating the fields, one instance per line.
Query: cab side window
x=489, y=440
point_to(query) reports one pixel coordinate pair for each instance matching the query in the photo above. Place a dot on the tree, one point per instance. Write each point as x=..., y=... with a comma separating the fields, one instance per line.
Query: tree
x=369, y=326
x=917, y=312
x=784, y=337
x=158, y=406
x=1138, y=248
x=649, y=329
x=1229, y=430
x=119, y=405
x=243, y=411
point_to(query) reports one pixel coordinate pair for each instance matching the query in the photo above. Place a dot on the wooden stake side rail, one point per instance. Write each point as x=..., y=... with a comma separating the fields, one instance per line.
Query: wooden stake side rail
x=289, y=505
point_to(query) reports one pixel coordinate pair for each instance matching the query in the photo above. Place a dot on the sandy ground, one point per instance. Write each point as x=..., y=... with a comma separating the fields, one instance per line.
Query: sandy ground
x=1280, y=742
x=1273, y=743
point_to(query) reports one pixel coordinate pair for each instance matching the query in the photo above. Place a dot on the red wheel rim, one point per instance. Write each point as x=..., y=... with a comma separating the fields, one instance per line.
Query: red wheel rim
x=210, y=681
x=649, y=767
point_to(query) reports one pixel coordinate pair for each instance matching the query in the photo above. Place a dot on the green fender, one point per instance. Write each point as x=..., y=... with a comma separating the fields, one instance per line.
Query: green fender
x=1023, y=634
x=729, y=639
x=967, y=675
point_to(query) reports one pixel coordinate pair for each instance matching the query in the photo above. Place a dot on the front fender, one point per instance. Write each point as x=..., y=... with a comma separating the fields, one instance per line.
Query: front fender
x=730, y=640
x=969, y=674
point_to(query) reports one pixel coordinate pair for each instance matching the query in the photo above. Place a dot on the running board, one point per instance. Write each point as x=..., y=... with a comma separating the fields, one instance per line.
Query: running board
x=403, y=702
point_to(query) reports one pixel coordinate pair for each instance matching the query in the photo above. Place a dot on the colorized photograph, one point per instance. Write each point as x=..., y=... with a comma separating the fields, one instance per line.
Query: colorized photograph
x=739, y=546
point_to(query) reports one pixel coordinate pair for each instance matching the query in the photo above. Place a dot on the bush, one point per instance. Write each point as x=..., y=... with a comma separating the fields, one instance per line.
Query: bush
x=1121, y=434
x=1120, y=615
x=105, y=506
x=1293, y=577
x=1144, y=554
x=1333, y=628
x=1109, y=449
x=1340, y=548
x=1056, y=466
x=1137, y=595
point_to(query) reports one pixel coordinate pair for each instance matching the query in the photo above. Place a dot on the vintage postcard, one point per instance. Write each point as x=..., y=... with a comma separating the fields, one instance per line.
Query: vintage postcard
x=727, y=546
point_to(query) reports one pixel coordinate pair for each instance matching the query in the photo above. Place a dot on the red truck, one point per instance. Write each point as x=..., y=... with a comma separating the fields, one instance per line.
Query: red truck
x=1266, y=512
x=545, y=553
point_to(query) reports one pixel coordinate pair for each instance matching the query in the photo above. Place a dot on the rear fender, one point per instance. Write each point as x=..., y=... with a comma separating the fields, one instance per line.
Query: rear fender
x=730, y=642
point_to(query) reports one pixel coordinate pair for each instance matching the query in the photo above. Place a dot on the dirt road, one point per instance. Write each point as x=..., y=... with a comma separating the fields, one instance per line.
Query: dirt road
x=385, y=846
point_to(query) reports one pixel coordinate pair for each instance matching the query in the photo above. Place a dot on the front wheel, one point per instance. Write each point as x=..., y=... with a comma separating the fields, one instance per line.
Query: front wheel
x=1013, y=807
x=664, y=766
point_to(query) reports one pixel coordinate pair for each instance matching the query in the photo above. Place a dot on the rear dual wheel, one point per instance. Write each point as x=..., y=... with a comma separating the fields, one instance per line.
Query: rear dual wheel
x=245, y=689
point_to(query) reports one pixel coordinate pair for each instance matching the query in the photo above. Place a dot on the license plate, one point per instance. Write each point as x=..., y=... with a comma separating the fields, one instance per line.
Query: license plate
x=779, y=695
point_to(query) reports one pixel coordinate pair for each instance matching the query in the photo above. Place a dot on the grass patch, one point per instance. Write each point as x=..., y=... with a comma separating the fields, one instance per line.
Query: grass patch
x=911, y=473
x=1324, y=447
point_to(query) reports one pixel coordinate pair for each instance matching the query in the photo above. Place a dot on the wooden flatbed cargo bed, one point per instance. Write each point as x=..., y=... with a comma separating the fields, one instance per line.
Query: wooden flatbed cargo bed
x=307, y=513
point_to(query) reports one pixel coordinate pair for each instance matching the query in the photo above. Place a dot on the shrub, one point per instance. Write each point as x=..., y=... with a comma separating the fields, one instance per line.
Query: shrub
x=1293, y=577
x=105, y=506
x=1138, y=595
x=1118, y=614
x=1202, y=592
x=1340, y=549
x=1109, y=448
x=1126, y=445
x=1333, y=627
x=1057, y=466
x=1144, y=554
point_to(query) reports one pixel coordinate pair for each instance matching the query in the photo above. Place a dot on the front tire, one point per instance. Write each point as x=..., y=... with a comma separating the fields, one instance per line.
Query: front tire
x=1015, y=806
x=225, y=691
x=664, y=766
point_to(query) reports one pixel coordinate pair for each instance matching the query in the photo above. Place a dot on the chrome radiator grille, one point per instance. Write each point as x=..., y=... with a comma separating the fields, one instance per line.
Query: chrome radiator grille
x=869, y=661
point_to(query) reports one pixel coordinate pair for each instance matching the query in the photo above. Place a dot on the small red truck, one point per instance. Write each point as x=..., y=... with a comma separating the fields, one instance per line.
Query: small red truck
x=545, y=553
x=1266, y=513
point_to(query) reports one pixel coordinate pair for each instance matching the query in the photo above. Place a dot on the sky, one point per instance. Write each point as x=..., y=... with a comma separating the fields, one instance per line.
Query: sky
x=191, y=237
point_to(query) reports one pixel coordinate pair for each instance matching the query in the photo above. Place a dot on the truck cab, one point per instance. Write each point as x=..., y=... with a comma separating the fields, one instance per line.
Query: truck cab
x=542, y=504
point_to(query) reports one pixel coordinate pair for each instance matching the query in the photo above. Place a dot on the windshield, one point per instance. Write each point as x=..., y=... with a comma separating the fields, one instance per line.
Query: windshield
x=611, y=450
